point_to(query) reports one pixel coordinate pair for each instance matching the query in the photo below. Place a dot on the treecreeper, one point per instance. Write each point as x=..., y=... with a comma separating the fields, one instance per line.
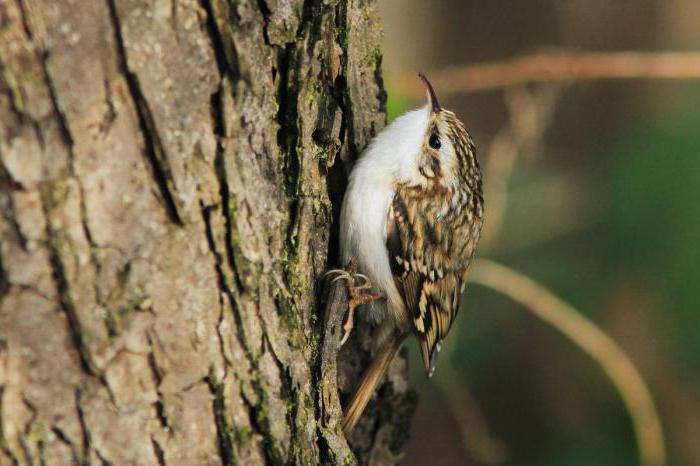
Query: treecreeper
x=410, y=223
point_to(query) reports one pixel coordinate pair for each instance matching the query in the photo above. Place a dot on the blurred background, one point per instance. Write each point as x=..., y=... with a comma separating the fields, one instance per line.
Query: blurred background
x=595, y=194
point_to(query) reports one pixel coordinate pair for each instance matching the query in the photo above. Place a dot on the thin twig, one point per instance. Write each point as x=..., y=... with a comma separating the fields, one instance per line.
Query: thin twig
x=591, y=339
x=560, y=66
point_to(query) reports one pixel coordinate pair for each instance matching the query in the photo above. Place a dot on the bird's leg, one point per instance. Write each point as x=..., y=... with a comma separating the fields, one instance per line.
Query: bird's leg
x=359, y=291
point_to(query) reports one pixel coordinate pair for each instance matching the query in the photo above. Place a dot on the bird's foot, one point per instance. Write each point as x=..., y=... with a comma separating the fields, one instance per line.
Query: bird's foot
x=359, y=291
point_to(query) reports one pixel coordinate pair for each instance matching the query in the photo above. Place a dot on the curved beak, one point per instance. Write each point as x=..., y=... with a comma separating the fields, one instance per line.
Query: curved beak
x=434, y=104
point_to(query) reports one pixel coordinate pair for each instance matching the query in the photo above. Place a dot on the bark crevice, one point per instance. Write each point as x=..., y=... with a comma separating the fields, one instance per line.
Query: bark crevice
x=64, y=295
x=154, y=150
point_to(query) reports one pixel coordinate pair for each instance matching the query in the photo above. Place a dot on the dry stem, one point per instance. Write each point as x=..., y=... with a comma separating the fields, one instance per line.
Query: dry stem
x=591, y=339
x=559, y=66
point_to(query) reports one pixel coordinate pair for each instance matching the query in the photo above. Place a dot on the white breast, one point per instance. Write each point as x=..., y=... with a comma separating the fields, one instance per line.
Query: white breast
x=389, y=159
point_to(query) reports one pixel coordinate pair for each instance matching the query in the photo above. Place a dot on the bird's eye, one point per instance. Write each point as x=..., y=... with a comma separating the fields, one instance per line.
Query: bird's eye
x=434, y=141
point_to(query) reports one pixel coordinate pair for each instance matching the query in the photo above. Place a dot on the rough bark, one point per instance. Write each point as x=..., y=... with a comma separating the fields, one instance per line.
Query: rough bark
x=169, y=175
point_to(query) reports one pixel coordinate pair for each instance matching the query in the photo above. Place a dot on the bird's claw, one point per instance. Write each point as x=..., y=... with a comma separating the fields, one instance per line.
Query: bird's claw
x=348, y=325
x=358, y=285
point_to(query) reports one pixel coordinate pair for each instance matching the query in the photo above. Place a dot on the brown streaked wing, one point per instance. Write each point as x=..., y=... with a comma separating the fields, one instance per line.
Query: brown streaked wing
x=431, y=303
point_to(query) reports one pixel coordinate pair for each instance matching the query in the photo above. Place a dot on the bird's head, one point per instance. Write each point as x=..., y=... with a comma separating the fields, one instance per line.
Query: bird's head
x=447, y=154
x=427, y=147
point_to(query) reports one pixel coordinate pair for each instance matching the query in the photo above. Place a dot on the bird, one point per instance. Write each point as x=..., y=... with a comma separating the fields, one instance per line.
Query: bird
x=410, y=222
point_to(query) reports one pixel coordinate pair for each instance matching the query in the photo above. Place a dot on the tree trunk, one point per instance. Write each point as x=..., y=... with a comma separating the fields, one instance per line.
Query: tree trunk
x=170, y=174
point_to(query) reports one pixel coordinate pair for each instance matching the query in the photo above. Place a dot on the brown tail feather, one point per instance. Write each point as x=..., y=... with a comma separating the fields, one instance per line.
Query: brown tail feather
x=370, y=379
